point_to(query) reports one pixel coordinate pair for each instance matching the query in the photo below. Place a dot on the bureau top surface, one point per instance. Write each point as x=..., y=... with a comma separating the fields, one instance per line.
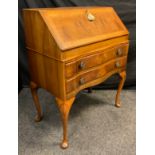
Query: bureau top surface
x=72, y=27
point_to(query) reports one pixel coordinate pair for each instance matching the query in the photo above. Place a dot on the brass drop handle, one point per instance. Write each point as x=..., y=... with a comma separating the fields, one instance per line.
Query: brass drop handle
x=81, y=65
x=90, y=16
x=81, y=81
x=118, y=64
x=119, y=52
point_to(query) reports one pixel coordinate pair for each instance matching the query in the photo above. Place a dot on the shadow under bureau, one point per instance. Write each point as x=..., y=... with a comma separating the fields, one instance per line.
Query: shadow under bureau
x=73, y=48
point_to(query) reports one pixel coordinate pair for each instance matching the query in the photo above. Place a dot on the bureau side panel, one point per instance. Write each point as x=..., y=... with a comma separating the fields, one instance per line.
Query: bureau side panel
x=47, y=73
x=38, y=37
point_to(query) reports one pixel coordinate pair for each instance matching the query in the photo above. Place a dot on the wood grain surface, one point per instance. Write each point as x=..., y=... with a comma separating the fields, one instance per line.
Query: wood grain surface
x=70, y=49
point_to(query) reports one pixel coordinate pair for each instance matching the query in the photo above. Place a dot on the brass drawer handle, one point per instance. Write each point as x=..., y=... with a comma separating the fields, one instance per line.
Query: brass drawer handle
x=118, y=64
x=81, y=65
x=119, y=52
x=82, y=81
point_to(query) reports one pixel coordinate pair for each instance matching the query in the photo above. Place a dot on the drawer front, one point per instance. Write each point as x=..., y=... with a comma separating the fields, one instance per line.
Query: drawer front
x=99, y=58
x=95, y=73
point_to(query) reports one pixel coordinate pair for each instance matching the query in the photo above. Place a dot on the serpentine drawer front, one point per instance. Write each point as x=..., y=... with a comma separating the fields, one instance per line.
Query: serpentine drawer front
x=73, y=48
x=94, y=73
x=100, y=57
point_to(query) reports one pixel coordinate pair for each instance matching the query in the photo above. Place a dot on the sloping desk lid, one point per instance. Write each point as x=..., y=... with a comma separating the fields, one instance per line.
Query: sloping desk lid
x=78, y=26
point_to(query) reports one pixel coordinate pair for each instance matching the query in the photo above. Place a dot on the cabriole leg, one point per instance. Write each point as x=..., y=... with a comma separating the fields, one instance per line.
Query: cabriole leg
x=117, y=99
x=34, y=88
x=64, y=107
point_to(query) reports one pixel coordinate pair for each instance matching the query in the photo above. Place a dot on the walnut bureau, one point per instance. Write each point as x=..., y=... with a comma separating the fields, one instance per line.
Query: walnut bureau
x=73, y=48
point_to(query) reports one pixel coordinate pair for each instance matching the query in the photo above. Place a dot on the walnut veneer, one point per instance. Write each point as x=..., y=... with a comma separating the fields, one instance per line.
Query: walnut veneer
x=70, y=49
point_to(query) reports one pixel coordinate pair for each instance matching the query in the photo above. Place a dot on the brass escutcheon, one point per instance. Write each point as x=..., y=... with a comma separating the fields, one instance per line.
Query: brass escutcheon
x=90, y=16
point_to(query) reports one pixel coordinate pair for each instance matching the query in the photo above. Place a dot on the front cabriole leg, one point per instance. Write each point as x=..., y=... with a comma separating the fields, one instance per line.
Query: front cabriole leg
x=39, y=114
x=64, y=107
x=121, y=84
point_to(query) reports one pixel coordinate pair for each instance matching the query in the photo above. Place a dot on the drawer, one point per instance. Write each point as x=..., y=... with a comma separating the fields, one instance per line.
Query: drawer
x=100, y=57
x=94, y=73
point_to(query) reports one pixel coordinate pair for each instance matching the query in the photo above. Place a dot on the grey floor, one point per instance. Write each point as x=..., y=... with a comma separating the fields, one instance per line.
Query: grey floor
x=96, y=127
